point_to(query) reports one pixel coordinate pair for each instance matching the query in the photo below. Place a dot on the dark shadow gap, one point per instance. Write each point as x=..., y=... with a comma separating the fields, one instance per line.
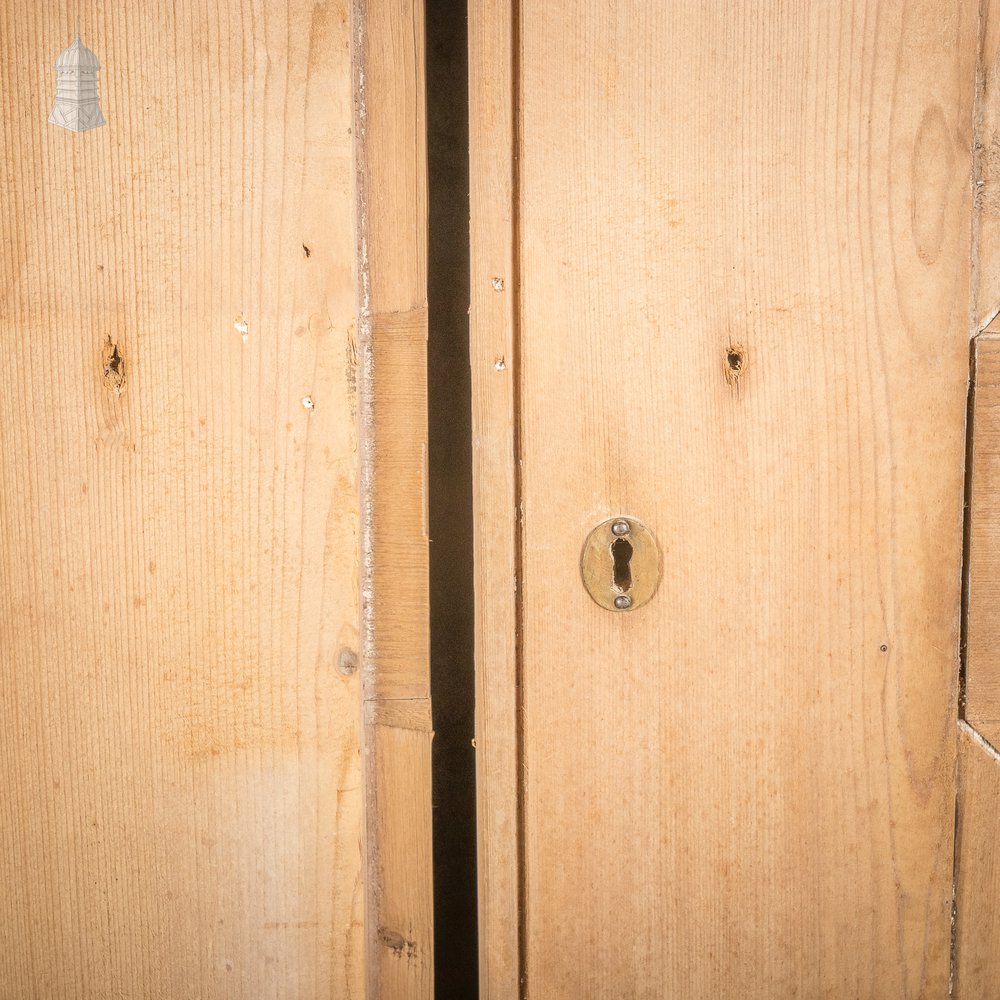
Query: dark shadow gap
x=963, y=641
x=450, y=503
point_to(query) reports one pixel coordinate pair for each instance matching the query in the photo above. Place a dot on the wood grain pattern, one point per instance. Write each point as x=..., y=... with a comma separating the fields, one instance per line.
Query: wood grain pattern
x=986, y=171
x=179, y=707
x=399, y=787
x=495, y=490
x=976, y=951
x=982, y=664
x=977, y=918
x=747, y=786
x=388, y=48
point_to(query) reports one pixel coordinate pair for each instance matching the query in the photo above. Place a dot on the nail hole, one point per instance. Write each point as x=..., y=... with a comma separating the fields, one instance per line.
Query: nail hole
x=114, y=368
x=621, y=554
x=736, y=363
x=883, y=648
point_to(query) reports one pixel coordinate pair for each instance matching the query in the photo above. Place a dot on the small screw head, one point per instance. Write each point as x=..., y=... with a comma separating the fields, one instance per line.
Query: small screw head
x=620, y=528
x=623, y=602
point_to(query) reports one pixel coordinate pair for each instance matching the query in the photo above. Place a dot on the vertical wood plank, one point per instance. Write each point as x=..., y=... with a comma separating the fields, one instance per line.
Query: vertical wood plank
x=179, y=717
x=495, y=368
x=976, y=954
x=986, y=167
x=977, y=917
x=388, y=45
x=982, y=664
x=399, y=784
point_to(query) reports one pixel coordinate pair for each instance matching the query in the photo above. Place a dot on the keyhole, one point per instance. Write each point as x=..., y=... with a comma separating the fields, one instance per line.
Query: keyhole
x=621, y=553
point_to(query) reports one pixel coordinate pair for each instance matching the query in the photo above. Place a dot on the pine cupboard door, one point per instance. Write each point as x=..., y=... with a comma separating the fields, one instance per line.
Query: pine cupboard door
x=721, y=286
x=190, y=725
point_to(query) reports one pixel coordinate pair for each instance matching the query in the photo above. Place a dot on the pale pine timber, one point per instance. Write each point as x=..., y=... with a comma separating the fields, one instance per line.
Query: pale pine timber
x=986, y=167
x=976, y=955
x=388, y=53
x=494, y=366
x=746, y=787
x=982, y=663
x=977, y=888
x=180, y=710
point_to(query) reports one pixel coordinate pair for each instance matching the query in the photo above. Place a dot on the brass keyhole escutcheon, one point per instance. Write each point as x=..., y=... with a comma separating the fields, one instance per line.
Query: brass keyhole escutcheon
x=620, y=564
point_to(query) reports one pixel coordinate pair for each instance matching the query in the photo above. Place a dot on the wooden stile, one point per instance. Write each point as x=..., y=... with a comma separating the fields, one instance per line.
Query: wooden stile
x=982, y=664
x=986, y=165
x=493, y=356
x=976, y=951
x=392, y=278
x=977, y=889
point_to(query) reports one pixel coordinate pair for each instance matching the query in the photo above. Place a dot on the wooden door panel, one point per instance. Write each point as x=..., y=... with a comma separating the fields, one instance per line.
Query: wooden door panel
x=181, y=665
x=180, y=754
x=738, y=310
